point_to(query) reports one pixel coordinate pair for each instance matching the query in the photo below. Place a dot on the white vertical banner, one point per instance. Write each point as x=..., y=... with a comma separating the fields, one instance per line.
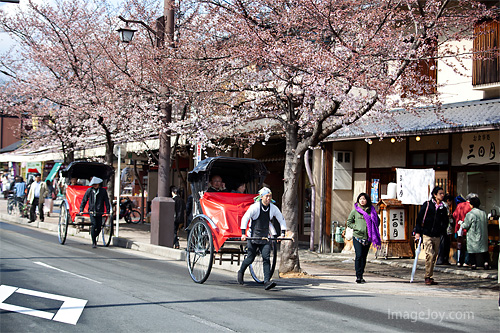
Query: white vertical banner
x=414, y=186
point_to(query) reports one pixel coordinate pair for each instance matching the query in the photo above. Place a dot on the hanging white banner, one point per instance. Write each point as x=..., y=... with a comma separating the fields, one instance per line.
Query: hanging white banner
x=414, y=185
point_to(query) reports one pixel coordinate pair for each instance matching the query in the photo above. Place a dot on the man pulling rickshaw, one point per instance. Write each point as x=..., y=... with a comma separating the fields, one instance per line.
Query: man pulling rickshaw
x=260, y=214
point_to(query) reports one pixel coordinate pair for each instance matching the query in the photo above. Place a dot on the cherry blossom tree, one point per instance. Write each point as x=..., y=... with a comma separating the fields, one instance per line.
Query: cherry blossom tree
x=304, y=69
x=75, y=79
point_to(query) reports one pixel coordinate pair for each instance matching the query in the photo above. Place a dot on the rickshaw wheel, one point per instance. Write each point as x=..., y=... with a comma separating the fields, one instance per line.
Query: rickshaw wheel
x=200, y=251
x=107, y=231
x=257, y=267
x=62, y=228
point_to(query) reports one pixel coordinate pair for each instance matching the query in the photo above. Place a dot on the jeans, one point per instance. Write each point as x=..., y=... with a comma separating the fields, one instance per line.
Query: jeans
x=20, y=202
x=265, y=250
x=360, y=260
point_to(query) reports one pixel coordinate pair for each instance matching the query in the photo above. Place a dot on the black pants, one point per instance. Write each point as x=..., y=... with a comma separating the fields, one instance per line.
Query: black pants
x=444, y=250
x=176, y=230
x=265, y=250
x=95, y=227
x=462, y=247
x=478, y=259
x=360, y=260
x=36, y=203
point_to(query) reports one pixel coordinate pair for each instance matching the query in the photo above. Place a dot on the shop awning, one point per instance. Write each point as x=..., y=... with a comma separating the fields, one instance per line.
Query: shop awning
x=54, y=171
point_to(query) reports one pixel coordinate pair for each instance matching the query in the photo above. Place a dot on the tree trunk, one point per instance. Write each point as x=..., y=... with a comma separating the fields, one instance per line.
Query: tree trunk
x=69, y=157
x=293, y=166
x=109, y=161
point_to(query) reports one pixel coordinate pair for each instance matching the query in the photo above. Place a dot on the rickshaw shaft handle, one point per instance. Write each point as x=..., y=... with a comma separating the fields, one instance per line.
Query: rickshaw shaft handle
x=257, y=238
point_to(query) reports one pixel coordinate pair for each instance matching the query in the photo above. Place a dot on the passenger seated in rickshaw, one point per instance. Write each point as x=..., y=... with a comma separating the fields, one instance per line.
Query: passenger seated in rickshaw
x=240, y=188
x=216, y=184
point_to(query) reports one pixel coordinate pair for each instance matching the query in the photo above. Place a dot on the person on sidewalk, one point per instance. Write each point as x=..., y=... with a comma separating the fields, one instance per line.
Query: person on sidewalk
x=476, y=224
x=36, y=197
x=19, y=189
x=51, y=196
x=180, y=211
x=98, y=200
x=432, y=221
x=260, y=214
x=364, y=222
x=444, y=245
x=459, y=216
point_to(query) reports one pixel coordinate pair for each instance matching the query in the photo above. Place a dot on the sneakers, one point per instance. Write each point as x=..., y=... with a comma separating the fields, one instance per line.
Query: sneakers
x=360, y=281
x=486, y=266
x=430, y=282
x=94, y=246
x=269, y=285
x=240, y=277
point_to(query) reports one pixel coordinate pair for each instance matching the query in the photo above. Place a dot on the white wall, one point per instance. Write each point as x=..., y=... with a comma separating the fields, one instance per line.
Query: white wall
x=457, y=88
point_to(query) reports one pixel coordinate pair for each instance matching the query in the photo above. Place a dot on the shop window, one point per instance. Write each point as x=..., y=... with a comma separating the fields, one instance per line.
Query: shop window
x=417, y=159
x=442, y=159
x=486, y=62
x=431, y=158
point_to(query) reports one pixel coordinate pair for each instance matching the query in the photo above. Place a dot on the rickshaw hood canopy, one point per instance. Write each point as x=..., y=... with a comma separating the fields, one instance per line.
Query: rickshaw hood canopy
x=87, y=170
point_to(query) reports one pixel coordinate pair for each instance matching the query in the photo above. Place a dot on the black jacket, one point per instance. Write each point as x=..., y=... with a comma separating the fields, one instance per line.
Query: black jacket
x=180, y=208
x=435, y=223
x=96, y=201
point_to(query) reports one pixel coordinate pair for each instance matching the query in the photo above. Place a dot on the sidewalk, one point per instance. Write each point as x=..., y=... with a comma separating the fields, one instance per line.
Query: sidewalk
x=137, y=237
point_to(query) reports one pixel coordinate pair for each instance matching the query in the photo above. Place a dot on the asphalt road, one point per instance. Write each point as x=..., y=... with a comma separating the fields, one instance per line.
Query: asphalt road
x=47, y=287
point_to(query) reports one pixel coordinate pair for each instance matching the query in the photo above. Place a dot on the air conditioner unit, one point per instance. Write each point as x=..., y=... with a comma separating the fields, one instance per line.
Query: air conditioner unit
x=342, y=170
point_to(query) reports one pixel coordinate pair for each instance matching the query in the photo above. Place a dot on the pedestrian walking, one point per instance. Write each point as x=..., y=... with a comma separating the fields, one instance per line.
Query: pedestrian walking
x=51, y=196
x=364, y=222
x=19, y=192
x=260, y=215
x=180, y=211
x=36, y=197
x=476, y=224
x=98, y=200
x=432, y=221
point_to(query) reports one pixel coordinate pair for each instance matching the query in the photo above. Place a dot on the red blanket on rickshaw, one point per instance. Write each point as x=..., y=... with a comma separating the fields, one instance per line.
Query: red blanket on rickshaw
x=226, y=211
x=74, y=196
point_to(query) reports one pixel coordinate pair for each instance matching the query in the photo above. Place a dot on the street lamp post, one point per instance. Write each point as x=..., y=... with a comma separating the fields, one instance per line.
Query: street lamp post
x=162, y=208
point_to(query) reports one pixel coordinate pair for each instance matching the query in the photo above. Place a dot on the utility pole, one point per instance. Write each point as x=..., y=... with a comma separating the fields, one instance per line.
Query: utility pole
x=162, y=206
x=166, y=108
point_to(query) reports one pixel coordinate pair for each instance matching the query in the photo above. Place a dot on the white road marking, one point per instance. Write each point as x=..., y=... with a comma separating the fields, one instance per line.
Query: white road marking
x=210, y=324
x=61, y=270
x=69, y=312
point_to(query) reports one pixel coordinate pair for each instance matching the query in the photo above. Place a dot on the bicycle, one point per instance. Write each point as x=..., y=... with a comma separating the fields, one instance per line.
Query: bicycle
x=13, y=204
x=127, y=211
